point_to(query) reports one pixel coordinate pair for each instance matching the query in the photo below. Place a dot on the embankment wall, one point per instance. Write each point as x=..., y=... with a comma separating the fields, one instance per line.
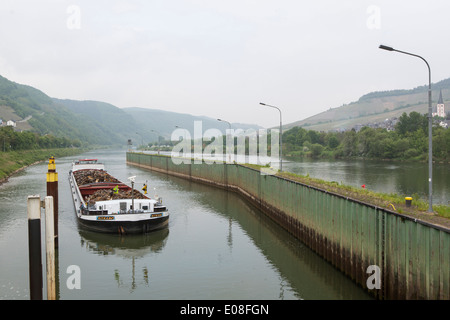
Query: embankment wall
x=413, y=256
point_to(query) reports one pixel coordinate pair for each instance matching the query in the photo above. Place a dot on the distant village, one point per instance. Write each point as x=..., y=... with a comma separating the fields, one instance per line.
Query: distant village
x=9, y=123
x=388, y=124
x=443, y=119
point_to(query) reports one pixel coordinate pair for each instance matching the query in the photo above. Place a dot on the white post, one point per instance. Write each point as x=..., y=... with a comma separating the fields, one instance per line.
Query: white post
x=50, y=248
x=34, y=246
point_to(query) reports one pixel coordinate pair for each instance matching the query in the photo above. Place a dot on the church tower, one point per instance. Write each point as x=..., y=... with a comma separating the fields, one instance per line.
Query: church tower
x=440, y=108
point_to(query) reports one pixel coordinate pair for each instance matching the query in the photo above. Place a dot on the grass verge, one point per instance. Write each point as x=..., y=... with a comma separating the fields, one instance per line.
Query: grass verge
x=11, y=162
x=392, y=201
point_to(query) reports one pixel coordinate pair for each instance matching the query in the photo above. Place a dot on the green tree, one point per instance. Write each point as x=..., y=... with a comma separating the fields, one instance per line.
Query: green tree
x=333, y=142
x=316, y=150
x=348, y=146
x=408, y=124
x=441, y=143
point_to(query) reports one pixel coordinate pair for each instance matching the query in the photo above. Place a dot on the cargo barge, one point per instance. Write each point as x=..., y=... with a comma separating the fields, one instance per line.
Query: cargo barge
x=105, y=204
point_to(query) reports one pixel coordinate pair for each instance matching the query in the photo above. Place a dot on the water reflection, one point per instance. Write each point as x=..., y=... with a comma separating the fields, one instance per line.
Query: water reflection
x=216, y=246
x=301, y=272
x=124, y=246
x=130, y=248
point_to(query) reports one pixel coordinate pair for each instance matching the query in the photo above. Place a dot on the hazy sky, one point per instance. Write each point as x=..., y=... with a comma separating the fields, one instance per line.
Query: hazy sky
x=221, y=58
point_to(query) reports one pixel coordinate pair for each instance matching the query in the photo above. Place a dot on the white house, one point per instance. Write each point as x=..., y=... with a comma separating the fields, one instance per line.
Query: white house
x=11, y=123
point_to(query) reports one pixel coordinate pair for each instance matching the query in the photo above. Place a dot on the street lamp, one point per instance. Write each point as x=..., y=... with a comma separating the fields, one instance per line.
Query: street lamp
x=142, y=139
x=184, y=135
x=281, y=134
x=158, y=134
x=229, y=124
x=430, y=126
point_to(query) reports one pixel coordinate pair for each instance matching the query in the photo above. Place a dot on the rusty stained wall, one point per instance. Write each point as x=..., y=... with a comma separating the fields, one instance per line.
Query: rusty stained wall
x=413, y=257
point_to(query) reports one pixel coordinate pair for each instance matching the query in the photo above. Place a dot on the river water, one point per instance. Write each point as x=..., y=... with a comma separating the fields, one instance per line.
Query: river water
x=402, y=178
x=216, y=246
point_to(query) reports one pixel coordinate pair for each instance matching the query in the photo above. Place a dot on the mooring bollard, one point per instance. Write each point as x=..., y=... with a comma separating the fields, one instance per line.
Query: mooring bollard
x=34, y=247
x=408, y=201
x=50, y=248
x=52, y=190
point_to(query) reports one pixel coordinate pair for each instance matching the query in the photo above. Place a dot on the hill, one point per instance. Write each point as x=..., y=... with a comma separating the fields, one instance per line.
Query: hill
x=99, y=123
x=93, y=122
x=152, y=123
x=375, y=107
x=110, y=124
x=33, y=110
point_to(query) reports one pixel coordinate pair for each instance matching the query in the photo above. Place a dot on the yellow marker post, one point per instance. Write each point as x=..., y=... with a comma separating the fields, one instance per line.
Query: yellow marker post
x=52, y=191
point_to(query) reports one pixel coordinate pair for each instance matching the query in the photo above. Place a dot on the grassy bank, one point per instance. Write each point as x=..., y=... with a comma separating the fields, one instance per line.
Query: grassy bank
x=392, y=201
x=12, y=161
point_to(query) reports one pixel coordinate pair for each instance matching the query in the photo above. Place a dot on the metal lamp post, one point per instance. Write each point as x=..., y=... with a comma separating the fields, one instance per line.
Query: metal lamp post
x=184, y=131
x=142, y=139
x=188, y=144
x=430, y=125
x=158, y=134
x=281, y=134
x=229, y=124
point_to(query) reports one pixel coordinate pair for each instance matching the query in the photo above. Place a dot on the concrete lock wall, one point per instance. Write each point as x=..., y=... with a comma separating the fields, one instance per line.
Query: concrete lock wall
x=392, y=256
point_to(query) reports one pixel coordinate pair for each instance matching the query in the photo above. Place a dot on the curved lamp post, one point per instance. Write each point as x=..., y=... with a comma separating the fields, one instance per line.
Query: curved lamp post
x=229, y=124
x=142, y=139
x=430, y=125
x=158, y=134
x=281, y=134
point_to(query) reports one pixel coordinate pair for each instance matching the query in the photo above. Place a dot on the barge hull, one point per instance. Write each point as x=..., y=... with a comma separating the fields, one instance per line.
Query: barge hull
x=124, y=227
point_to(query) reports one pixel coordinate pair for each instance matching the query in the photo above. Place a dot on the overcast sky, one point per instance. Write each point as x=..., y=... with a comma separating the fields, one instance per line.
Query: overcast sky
x=221, y=58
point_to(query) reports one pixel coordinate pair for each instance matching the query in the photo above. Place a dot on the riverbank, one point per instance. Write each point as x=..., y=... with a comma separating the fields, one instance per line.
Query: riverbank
x=15, y=161
x=393, y=202
x=409, y=141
